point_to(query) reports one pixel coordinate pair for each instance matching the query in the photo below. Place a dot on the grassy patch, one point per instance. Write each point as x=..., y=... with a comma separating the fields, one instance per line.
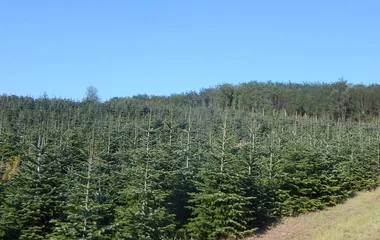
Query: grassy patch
x=358, y=218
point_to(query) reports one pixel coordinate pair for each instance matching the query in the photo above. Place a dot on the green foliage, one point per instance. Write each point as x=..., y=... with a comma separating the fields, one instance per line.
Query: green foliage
x=32, y=198
x=87, y=212
x=220, y=207
x=142, y=213
x=217, y=164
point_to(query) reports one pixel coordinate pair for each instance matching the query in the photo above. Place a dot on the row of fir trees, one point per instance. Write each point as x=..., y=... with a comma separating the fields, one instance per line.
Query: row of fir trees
x=157, y=168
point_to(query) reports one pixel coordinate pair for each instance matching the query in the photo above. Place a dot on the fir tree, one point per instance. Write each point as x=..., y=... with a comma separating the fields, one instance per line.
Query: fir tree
x=33, y=197
x=220, y=204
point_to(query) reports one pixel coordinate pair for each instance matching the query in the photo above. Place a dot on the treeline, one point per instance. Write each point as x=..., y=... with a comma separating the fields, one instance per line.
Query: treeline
x=338, y=100
x=170, y=168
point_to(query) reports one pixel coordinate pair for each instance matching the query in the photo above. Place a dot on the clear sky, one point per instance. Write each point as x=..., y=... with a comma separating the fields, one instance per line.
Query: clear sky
x=161, y=47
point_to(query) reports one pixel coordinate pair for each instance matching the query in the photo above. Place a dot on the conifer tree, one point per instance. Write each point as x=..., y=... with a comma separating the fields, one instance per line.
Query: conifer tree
x=142, y=213
x=33, y=197
x=87, y=210
x=220, y=205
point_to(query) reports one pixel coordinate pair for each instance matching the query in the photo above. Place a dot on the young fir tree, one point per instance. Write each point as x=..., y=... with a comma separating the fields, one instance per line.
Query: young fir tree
x=220, y=204
x=33, y=197
x=142, y=213
x=87, y=210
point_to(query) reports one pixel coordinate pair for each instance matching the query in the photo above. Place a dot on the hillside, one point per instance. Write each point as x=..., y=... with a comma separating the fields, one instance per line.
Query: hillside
x=189, y=166
x=358, y=218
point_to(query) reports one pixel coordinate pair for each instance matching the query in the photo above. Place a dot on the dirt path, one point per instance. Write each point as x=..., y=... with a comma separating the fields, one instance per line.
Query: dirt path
x=358, y=218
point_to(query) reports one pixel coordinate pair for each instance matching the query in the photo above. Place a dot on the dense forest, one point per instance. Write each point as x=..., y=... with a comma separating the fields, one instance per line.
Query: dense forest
x=220, y=163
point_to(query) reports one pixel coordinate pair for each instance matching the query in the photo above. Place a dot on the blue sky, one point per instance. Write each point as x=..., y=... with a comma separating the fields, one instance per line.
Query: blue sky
x=161, y=47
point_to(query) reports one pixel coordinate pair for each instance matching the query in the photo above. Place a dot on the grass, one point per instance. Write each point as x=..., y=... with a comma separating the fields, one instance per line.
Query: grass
x=358, y=218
